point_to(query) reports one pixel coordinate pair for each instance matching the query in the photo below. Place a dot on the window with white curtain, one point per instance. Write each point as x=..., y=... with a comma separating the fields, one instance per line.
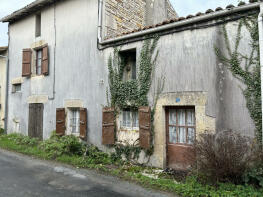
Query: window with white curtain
x=74, y=120
x=181, y=125
x=129, y=119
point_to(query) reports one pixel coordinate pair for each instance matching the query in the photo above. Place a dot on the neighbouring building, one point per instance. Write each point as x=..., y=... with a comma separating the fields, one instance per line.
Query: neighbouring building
x=59, y=78
x=3, y=59
x=126, y=15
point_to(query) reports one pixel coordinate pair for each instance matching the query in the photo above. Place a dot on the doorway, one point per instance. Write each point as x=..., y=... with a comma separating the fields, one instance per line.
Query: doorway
x=180, y=136
x=35, y=120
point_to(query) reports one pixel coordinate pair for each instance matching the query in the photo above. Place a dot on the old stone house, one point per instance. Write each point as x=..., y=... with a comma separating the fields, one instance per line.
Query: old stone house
x=59, y=55
x=3, y=55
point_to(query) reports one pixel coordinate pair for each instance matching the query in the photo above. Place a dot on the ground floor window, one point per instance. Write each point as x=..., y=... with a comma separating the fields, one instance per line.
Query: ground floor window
x=16, y=88
x=73, y=118
x=181, y=125
x=130, y=119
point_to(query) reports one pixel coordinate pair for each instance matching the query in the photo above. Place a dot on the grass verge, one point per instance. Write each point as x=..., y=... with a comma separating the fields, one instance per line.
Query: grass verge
x=190, y=187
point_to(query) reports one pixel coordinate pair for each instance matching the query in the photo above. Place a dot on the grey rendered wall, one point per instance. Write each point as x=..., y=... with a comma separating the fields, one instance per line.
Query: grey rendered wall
x=187, y=60
x=79, y=69
x=2, y=88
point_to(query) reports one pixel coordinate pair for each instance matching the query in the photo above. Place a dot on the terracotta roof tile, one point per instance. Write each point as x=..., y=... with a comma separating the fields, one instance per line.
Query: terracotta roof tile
x=174, y=20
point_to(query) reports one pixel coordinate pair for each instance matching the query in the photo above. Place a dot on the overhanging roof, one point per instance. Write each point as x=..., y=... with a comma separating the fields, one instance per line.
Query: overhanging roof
x=27, y=10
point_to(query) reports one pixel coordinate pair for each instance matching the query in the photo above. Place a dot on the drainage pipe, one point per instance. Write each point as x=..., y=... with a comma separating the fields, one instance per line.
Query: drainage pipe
x=260, y=32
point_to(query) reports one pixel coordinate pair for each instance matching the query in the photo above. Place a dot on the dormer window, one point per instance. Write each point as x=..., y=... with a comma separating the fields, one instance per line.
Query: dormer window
x=128, y=58
x=38, y=25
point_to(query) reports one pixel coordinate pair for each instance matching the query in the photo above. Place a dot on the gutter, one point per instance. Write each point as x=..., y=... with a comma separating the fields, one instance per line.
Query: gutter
x=183, y=23
x=260, y=32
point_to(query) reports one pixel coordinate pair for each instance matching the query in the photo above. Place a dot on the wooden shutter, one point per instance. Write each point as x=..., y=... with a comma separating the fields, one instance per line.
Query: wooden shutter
x=26, y=64
x=145, y=127
x=44, y=68
x=83, y=123
x=108, y=126
x=60, y=121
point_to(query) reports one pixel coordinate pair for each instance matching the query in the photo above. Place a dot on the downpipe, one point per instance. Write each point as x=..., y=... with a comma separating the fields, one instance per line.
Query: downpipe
x=100, y=21
x=260, y=32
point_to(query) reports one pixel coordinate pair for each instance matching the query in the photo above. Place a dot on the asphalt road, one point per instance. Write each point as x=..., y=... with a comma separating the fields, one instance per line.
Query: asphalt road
x=22, y=176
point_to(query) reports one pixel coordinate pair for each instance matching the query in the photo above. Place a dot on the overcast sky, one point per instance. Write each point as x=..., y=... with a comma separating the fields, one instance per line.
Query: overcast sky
x=182, y=7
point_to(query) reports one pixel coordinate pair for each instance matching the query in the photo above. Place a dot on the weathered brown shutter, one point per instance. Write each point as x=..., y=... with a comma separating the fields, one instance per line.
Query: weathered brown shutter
x=26, y=64
x=60, y=121
x=83, y=123
x=108, y=126
x=44, y=68
x=145, y=127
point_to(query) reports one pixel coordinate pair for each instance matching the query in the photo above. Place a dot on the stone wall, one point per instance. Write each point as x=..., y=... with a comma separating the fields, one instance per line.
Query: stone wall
x=126, y=15
x=123, y=15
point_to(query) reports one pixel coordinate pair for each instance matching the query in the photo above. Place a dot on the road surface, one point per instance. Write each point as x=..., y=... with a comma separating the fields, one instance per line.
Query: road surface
x=23, y=176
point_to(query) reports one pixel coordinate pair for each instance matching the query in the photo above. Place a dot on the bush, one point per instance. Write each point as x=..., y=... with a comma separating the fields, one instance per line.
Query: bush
x=223, y=157
x=255, y=174
x=95, y=156
x=65, y=145
x=20, y=139
x=2, y=131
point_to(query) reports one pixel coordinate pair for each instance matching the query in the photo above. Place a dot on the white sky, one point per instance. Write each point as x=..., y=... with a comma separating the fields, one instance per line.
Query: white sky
x=182, y=7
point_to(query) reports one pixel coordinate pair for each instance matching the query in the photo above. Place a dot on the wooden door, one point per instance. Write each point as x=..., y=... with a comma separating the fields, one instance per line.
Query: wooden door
x=180, y=136
x=35, y=122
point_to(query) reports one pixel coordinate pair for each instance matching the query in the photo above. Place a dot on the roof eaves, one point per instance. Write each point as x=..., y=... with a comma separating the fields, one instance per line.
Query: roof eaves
x=31, y=8
x=190, y=19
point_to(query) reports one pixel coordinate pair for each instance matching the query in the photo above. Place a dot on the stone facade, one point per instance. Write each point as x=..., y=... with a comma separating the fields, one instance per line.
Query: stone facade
x=126, y=15
x=123, y=15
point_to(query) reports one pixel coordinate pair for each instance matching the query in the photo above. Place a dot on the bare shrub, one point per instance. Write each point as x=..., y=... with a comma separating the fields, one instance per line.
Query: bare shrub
x=223, y=156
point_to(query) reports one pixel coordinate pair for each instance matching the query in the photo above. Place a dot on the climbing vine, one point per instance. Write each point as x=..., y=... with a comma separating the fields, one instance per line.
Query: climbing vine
x=133, y=93
x=246, y=68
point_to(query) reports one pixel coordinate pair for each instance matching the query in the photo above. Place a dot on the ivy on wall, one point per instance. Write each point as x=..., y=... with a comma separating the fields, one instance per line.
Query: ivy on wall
x=133, y=93
x=246, y=68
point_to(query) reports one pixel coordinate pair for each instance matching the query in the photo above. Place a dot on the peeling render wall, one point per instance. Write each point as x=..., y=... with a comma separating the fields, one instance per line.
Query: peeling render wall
x=80, y=72
x=195, y=76
x=2, y=88
x=158, y=11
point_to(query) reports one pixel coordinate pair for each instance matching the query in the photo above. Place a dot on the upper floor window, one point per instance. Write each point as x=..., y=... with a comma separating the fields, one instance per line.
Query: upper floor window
x=128, y=58
x=39, y=62
x=38, y=25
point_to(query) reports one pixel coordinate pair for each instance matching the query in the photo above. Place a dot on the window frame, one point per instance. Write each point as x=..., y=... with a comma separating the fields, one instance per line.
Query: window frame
x=14, y=86
x=177, y=126
x=39, y=50
x=70, y=118
x=132, y=113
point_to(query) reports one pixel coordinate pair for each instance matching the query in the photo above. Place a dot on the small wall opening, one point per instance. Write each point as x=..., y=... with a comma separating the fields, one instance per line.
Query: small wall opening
x=38, y=25
x=128, y=58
